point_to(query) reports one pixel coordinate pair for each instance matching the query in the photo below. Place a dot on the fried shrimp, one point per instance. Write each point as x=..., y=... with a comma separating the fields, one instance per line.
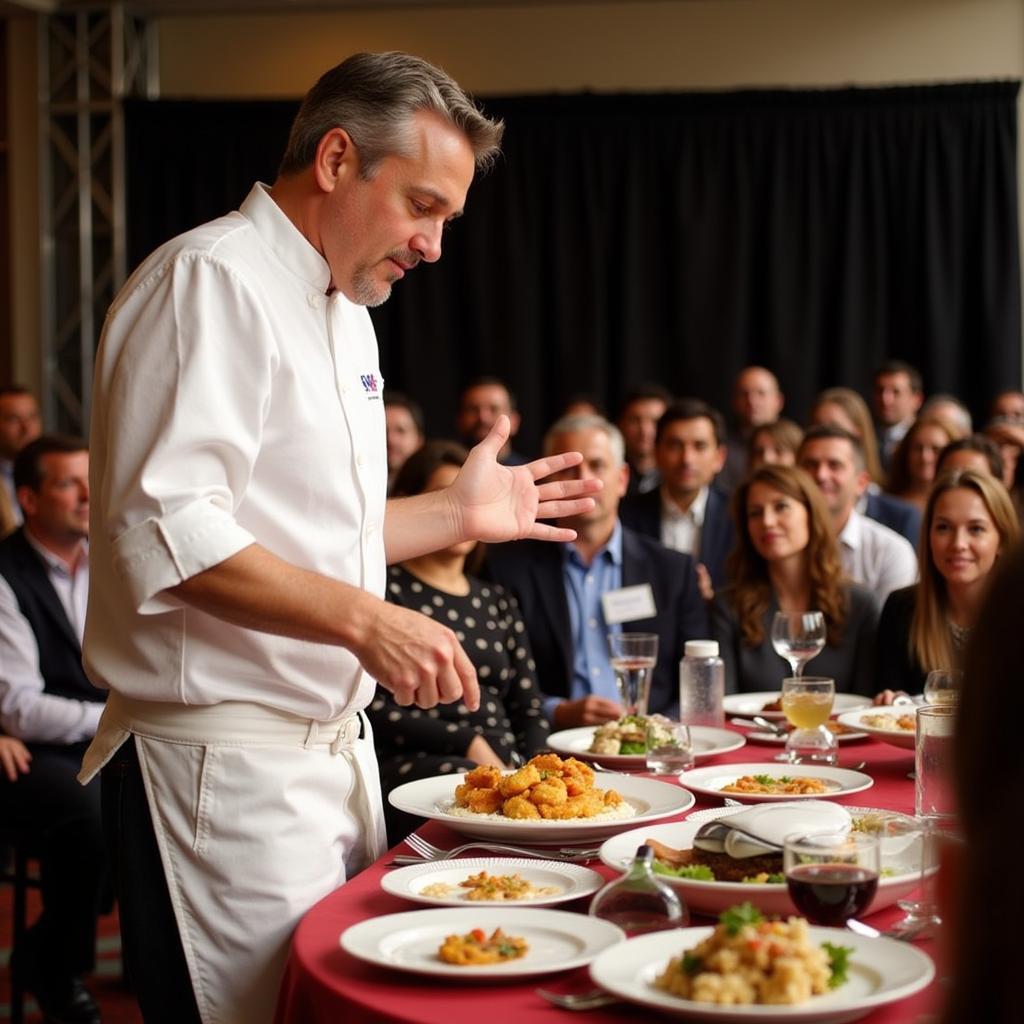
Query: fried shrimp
x=520, y=781
x=484, y=777
x=520, y=807
x=551, y=791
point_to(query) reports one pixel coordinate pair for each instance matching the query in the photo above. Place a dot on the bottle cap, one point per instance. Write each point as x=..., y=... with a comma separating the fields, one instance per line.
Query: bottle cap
x=701, y=649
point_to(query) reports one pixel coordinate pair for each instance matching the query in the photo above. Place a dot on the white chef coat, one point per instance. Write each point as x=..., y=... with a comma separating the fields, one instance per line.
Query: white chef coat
x=235, y=401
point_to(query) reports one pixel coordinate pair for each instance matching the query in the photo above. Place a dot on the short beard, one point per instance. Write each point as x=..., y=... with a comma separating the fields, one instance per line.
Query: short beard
x=368, y=292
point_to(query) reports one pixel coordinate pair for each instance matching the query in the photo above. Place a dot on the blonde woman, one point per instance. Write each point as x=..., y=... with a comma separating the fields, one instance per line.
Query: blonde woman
x=968, y=522
x=786, y=558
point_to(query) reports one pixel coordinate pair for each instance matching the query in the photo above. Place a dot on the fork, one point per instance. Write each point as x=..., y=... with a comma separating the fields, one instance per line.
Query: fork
x=430, y=852
x=589, y=1000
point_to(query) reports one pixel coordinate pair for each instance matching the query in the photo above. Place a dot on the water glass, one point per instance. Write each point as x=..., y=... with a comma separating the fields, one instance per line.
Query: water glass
x=633, y=657
x=669, y=746
x=933, y=762
x=943, y=686
x=798, y=637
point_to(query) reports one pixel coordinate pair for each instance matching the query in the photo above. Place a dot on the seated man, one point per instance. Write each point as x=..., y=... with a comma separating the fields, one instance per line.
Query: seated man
x=638, y=421
x=47, y=702
x=757, y=400
x=873, y=555
x=687, y=513
x=572, y=595
x=482, y=401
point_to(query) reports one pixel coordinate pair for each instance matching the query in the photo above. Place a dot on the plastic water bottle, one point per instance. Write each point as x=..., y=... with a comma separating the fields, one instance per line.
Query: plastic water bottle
x=701, y=684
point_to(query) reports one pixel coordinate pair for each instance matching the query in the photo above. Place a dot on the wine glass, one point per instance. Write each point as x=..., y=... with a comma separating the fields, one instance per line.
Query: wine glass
x=807, y=704
x=633, y=657
x=943, y=686
x=798, y=637
x=831, y=876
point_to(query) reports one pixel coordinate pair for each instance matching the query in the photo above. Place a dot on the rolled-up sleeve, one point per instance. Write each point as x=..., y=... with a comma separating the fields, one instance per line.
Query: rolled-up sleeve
x=189, y=417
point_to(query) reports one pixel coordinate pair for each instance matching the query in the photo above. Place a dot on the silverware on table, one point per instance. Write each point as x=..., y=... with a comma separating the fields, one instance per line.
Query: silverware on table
x=589, y=1000
x=429, y=852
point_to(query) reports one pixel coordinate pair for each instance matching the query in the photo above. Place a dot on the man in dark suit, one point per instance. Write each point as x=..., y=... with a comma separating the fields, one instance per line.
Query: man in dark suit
x=895, y=513
x=572, y=595
x=47, y=702
x=687, y=513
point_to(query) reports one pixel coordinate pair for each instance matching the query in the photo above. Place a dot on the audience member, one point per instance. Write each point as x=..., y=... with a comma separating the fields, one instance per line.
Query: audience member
x=1008, y=405
x=687, y=513
x=404, y=432
x=786, y=558
x=19, y=423
x=981, y=885
x=582, y=404
x=756, y=400
x=846, y=409
x=638, y=421
x=950, y=409
x=968, y=522
x=898, y=394
x=414, y=744
x=914, y=462
x=873, y=555
x=15, y=760
x=572, y=595
x=976, y=452
x=1009, y=436
x=482, y=401
x=774, y=444
x=47, y=702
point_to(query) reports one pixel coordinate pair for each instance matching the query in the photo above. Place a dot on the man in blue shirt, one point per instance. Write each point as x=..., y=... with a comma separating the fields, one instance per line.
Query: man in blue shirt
x=609, y=579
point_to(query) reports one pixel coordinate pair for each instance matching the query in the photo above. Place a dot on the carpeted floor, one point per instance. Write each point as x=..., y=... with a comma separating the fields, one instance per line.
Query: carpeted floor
x=116, y=1002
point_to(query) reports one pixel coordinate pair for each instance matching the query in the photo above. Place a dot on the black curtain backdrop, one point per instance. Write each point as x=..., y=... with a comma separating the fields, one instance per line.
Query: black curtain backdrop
x=674, y=238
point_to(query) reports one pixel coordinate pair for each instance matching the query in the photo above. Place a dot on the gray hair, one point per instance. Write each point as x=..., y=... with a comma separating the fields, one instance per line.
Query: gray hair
x=576, y=422
x=374, y=96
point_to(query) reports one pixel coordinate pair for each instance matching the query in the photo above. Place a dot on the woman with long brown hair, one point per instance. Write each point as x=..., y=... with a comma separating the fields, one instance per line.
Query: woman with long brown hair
x=915, y=461
x=786, y=558
x=968, y=522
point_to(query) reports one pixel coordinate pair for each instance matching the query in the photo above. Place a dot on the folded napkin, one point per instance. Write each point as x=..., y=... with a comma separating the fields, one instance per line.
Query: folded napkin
x=756, y=831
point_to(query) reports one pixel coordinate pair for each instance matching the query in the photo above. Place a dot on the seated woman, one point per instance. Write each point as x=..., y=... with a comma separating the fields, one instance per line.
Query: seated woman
x=774, y=444
x=415, y=744
x=787, y=559
x=976, y=451
x=968, y=522
x=914, y=462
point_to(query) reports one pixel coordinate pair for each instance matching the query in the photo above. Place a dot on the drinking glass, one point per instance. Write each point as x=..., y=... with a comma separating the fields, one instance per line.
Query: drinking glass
x=633, y=657
x=807, y=704
x=669, y=747
x=831, y=876
x=798, y=637
x=943, y=686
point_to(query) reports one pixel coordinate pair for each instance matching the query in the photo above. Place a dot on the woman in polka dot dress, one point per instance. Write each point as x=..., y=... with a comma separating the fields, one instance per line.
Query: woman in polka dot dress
x=415, y=744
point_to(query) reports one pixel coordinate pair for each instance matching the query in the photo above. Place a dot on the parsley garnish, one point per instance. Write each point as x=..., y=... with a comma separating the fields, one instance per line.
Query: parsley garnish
x=699, y=872
x=633, y=748
x=691, y=964
x=736, y=917
x=839, y=961
x=764, y=780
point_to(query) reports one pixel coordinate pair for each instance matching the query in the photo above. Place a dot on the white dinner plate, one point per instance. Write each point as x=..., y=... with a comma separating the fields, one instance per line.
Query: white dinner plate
x=753, y=703
x=708, y=742
x=901, y=856
x=897, y=737
x=882, y=971
x=557, y=940
x=840, y=781
x=650, y=799
x=571, y=881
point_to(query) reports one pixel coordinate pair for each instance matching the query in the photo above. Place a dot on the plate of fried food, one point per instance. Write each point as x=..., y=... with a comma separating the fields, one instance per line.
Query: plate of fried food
x=749, y=968
x=768, y=704
x=492, y=882
x=623, y=743
x=548, y=800
x=895, y=725
x=474, y=943
x=752, y=783
x=711, y=879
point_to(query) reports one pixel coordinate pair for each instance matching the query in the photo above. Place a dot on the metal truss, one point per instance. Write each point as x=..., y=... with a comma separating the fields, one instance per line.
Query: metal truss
x=90, y=59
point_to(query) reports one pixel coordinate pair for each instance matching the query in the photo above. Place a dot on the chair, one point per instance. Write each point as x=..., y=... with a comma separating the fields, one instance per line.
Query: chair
x=16, y=850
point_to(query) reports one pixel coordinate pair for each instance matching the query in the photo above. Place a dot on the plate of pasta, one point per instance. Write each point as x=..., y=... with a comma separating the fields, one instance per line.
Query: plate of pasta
x=751, y=783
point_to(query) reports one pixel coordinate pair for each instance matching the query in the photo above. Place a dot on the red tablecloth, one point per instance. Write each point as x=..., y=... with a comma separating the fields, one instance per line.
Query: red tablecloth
x=324, y=985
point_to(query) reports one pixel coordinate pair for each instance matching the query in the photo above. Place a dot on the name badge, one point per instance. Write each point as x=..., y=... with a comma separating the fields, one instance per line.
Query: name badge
x=628, y=604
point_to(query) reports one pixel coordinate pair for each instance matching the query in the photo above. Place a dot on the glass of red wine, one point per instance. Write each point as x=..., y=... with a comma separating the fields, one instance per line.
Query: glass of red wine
x=831, y=876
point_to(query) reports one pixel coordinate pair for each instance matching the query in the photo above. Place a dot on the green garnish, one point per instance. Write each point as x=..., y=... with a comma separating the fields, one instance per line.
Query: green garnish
x=698, y=872
x=637, y=719
x=507, y=949
x=736, y=917
x=764, y=780
x=772, y=879
x=839, y=961
x=633, y=748
x=691, y=964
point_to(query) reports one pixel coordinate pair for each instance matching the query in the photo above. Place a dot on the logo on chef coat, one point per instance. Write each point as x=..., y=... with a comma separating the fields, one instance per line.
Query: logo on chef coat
x=370, y=383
